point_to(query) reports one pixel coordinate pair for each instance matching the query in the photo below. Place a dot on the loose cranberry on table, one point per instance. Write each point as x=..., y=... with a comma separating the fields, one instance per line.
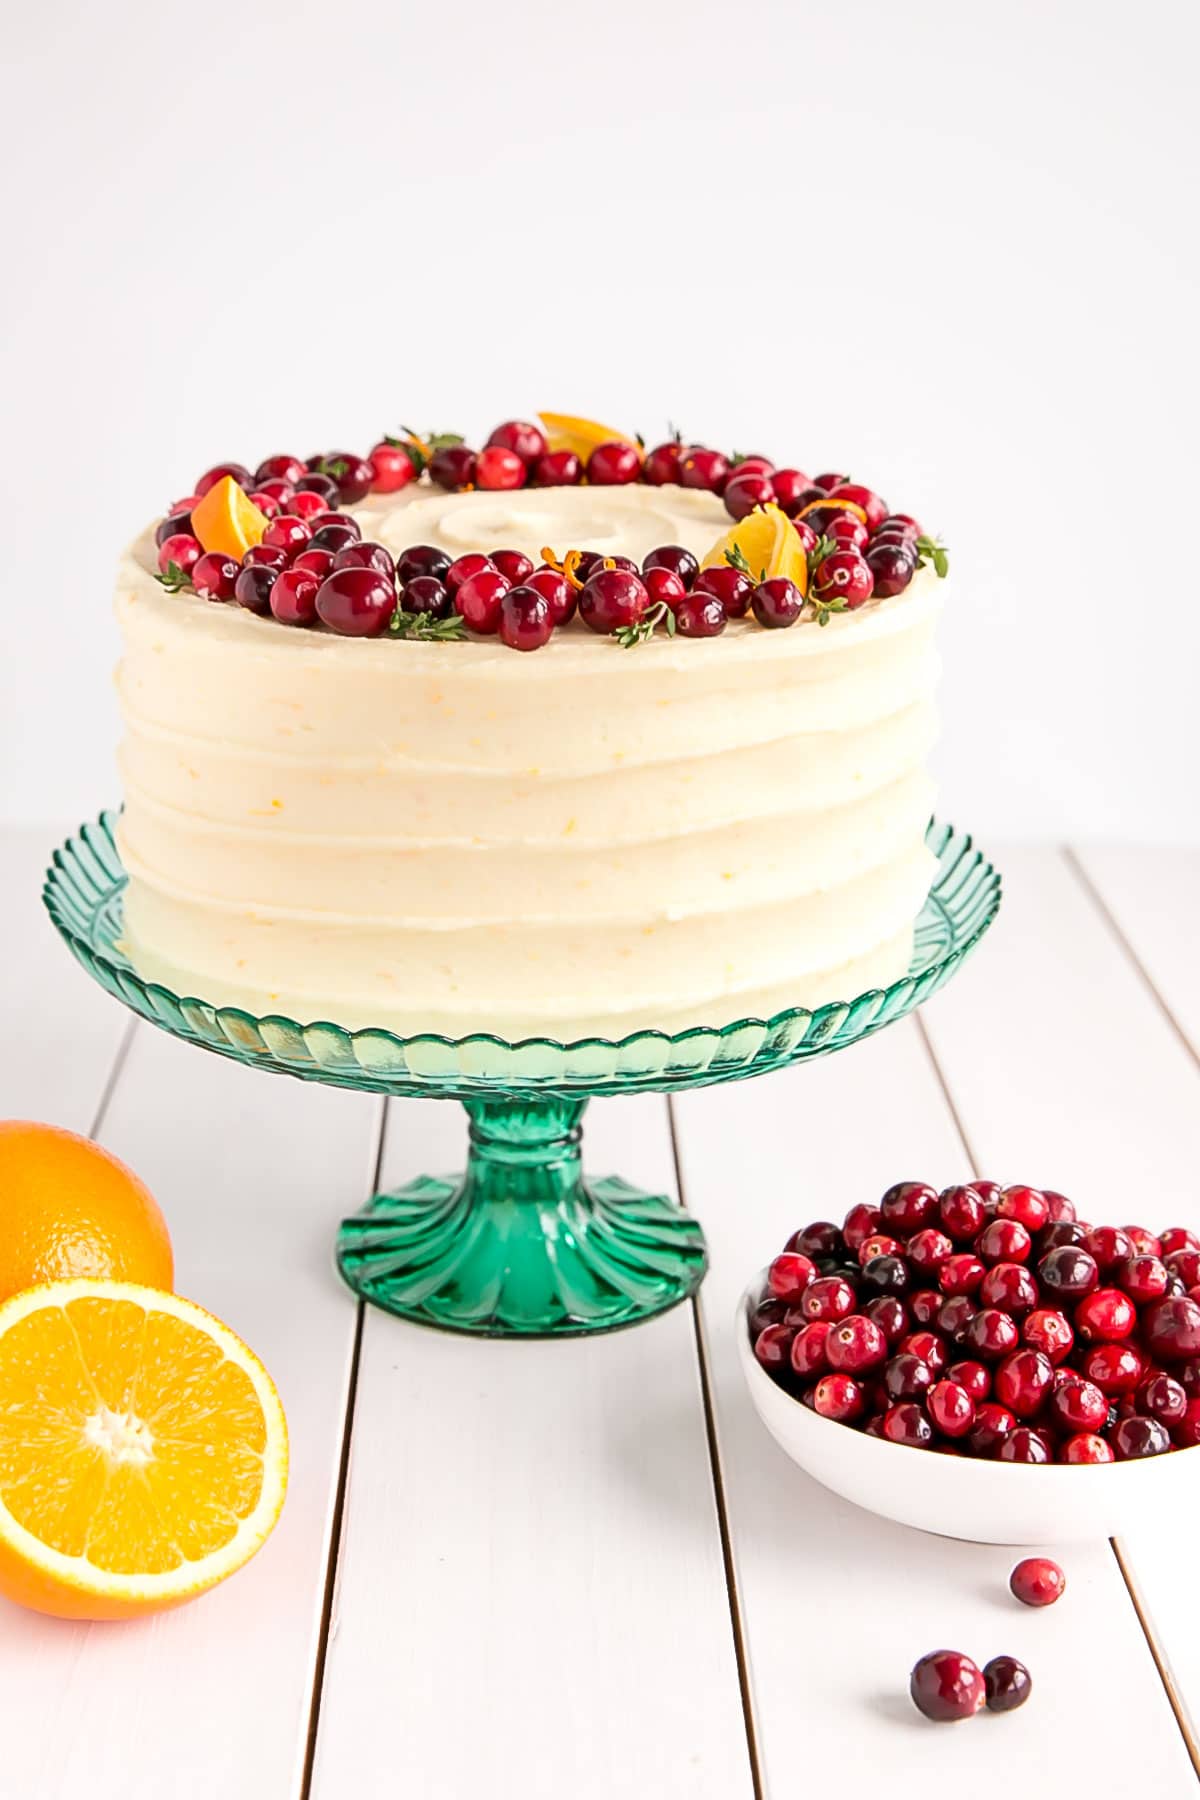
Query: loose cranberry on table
x=1007, y=1683
x=946, y=1685
x=1037, y=1581
x=614, y=465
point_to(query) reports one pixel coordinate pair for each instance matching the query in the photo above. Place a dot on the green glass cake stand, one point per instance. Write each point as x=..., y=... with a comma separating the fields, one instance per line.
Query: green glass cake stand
x=521, y=1245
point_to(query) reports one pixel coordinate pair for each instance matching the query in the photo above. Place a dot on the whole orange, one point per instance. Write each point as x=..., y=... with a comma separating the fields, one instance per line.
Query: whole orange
x=70, y=1210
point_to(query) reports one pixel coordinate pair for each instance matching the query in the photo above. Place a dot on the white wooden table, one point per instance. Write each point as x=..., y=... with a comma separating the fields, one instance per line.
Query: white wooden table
x=583, y=1569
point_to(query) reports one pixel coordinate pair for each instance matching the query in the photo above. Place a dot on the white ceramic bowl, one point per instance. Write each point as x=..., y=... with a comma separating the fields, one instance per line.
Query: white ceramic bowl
x=986, y=1502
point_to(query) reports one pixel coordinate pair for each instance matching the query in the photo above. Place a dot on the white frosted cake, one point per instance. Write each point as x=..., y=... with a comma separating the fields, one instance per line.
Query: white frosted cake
x=445, y=836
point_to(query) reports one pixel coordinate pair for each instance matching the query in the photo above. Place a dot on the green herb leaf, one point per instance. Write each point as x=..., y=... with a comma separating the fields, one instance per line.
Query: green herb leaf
x=427, y=628
x=630, y=635
x=333, y=466
x=736, y=560
x=174, y=579
x=934, y=551
x=411, y=449
x=443, y=440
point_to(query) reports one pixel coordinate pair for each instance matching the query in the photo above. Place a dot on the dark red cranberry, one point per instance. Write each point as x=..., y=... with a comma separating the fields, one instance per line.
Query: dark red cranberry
x=478, y=601
x=1185, y=1264
x=677, y=560
x=661, y=466
x=1105, y=1315
x=294, y=596
x=280, y=468
x=991, y=1334
x=421, y=559
x=215, y=575
x=1054, y=1235
x=218, y=472
x=878, y=1244
x=777, y=602
x=827, y=1298
x=1025, y=1445
x=819, y=1240
x=928, y=1250
x=426, y=594
x=772, y=1348
x=828, y=481
x=1108, y=1244
x=989, y=1192
x=1004, y=1240
x=885, y=1275
x=463, y=568
x=743, y=492
x=1036, y=1581
x=1078, y=1405
x=1085, y=1447
x=281, y=492
x=1163, y=1398
x=317, y=562
x=1187, y=1433
x=1059, y=1209
x=179, y=524
x=526, y=440
x=356, y=602
x=892, y=568
x=905, y=1423
x=839, y=1397
x=954, y=1315
x=906, y=1377
x=767, y=1312
x=848, y=532
x=994, y=1424
x=1171, y=1328
x=960, y=1211
x=789, y=484
x=1176, y=1238
x=744, y=465
x=1011, y=1286
x=927, y=1345
x=735, y=591
x=860, y=1223
x=1068, y=1272
x=513, y=564
x=252, y=588
x=790, y=1274
x=700, y=467
x=452, y=467
x=1049, y=1331
x=961, y=1274
x=855, y=1344
x=526, y=621
x=264, y=556
x=318, y=484
x=947, y=1685
x=558, y=468
x=700, y=615
x=555, y=588
x=352, y=475
x=614, y=465
x=925, y=1304
x=973, y=1377
x=875, y=509
x=845, y=577
x=1025, y=1204
x=808, y=1348
x=951, y=1408
x=499, y=469
x=1115, y=1368
x=1023, y=1381
x=612, y=598
x=366, y=555
x=1006, y=1683
x=908, y=1206
x=890, y=1314
x=1137, y=1437
x=335, y=537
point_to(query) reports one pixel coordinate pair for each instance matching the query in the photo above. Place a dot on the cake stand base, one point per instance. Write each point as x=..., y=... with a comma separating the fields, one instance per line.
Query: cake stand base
x=521, y=1245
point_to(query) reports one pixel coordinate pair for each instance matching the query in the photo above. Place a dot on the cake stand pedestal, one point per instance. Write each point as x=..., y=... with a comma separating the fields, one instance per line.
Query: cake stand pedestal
x=521, y=1245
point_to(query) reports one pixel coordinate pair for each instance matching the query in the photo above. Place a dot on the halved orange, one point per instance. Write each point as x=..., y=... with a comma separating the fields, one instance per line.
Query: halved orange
x=227, y=519
x=763, y=544
x=850, y=506
x=143, y=1450
x=566, y=432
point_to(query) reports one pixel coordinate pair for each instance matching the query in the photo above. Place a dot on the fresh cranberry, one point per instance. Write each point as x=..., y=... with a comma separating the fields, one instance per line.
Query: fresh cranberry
x=991, y=1334
x=839, y=1397
x=558, y=468
x=1105, y=1315
x=452, y=467
x=848, y=531
x=743, y=492
x=875, y=509
x=1059, y=1209
x=1185, y=1264
x=905, y=1423
x=613, y=465
x=734, y=590
x=523, y=438
x=556, y=589
x=664, y=584
x=951, y=1408
x=265, y=556
x=514, y=565
x=1172, y=1328
x=927, y=1345
x=772, y=1348
x=178, y=523
x=1025, y=1204
x=421, y=559
x=1011, y=1286
x=181, y=549
x=306, y=506
x=676, y=561
x=1055, y=1235
x=1025, y=1445
x=886, y=1275
x=1163, y=1398
x=860, y=1223
x=960, y=1211
x=661, y=466
x=890, y=1314
x=1187, y=1432
x=294, y=596
x=1177, y=1238
x=269, y=506
x=844, y=576
x=954, y=1315
x=928, y=1250
x=1007, y=1684
x=789, y=485
x=878, y=1244
x=238, y=471
x=497, y=468
x=1049, y=1331
x=252, y=588
x=478, y=599
x=1085, y=1447
x=906, y=1377
x=777, y=602
x=767, y=1312
x=994, y=1424
x=612, y=598
x=947, y=1685
x=214, y=575
x=1114, y=1368
x=280, y=468
x=1068, y=1272
x=902, y=522
x=526, y=621
x=1078, y=1405
x=892, y=568
x=366, y=555
x=828, y=1298
x=352, y=475
x=1143, y=1278
x=322, y=485
x=973, y=1377
x=808, y=1348
x=700, y=615
x=335, y=535
x=1036, y=1581
x=1004, y=1240
x=1023, y=1381
x=807, y=536
x=790, y=1274
x=1108, y=1244
x=700, y=467
x=819, y=1240
x=961, y=1274
x=828, y=482
x=855, y=1344
x=464, y=567
x=395, y=467
x=281, y=492
x=356, y=602
x=1136, y=1437
x=908, y=1206
x=426, y=594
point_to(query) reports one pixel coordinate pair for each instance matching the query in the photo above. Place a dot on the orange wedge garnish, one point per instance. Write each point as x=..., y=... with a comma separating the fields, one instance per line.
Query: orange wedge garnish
x=763, y=544
x=143, y=1450
x=565, y=432
x=227, y=520
x=850, y=506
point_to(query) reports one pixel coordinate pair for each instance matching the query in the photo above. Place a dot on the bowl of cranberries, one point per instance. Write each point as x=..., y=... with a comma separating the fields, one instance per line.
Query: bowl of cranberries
x=1051, y=1366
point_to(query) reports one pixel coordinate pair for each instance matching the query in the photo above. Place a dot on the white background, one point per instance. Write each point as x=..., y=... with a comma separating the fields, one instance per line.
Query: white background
x=951, y=247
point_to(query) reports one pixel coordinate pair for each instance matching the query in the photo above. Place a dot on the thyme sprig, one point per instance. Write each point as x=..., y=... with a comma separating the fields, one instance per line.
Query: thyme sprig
x=426, y=627
x=735, y=557
x=175, y=579
x=932, y=550
x=659, y=614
